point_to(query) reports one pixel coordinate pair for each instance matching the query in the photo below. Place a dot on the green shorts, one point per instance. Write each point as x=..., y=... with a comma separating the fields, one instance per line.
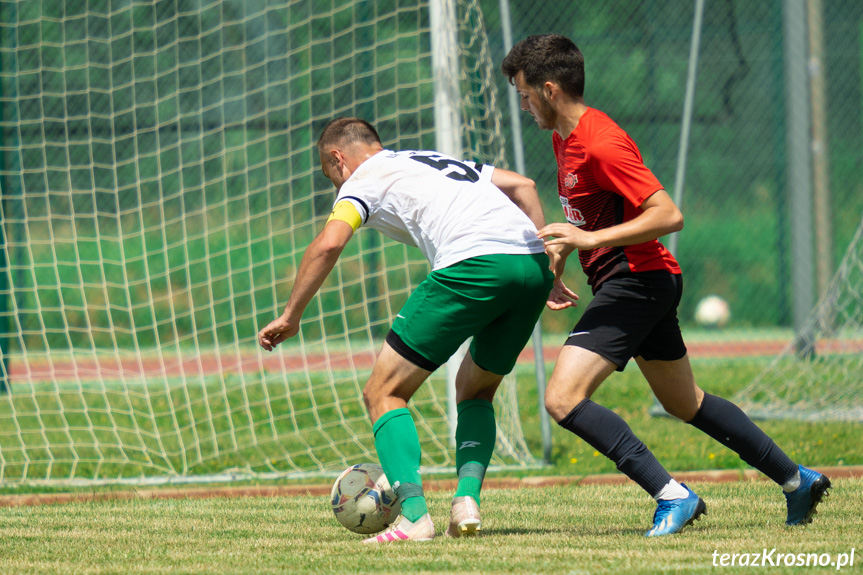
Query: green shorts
x=497, y=299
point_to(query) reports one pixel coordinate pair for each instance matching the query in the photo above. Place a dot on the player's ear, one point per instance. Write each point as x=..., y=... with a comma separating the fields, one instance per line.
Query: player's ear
x=550, y=90
x=336, y=157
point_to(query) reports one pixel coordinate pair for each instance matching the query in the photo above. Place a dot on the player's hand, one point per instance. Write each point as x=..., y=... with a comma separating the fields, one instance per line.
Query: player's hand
x=277, y=331
x=557, y=258
x=561, y=297
x=567, y=235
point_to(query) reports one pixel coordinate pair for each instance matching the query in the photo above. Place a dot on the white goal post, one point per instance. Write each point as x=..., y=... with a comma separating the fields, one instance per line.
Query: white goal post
x=160, y=184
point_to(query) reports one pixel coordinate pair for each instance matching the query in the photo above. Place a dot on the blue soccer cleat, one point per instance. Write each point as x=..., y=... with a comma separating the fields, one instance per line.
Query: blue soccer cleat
x=672, y=516
x=803, y=501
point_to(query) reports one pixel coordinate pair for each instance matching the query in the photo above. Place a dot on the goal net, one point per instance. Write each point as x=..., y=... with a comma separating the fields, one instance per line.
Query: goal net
x=160, y=184
x=818, y=376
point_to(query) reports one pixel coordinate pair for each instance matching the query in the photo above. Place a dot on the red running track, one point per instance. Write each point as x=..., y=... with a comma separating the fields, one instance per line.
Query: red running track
x=71, y=369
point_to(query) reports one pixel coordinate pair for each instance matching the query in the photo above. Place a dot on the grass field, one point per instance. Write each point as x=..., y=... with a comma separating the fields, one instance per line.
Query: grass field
x=563, y=529
x=315, y=410
x=679, y=446
x=588, y=529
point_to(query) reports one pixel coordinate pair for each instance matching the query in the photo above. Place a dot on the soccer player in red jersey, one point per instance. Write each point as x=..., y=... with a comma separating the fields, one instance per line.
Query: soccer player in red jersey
x=616, y=210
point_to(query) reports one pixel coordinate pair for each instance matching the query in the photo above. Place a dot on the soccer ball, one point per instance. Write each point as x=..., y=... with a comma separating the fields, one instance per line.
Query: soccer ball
x=363, y=500
x=712, y=311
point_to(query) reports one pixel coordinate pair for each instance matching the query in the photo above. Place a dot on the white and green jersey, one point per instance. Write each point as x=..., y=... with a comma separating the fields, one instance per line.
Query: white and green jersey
x=447, y=208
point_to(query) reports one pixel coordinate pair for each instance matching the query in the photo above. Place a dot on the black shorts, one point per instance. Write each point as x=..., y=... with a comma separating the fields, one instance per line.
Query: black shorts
x=631, y=315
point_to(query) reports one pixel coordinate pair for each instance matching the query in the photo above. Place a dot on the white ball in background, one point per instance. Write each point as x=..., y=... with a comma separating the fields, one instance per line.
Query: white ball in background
x=712, y=311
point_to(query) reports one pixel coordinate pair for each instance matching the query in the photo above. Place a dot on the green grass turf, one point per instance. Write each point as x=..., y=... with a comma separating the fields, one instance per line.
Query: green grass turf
x=587, y=529
x=569, y=529
x=678, y=446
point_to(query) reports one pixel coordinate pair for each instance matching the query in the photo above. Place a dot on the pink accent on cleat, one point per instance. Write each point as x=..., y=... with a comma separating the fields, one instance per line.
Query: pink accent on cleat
x=404, y=530
x=464, y=519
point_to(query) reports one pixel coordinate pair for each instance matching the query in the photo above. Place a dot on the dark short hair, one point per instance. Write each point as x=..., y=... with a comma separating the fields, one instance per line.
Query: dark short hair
x=549, y=57
x=343, y=131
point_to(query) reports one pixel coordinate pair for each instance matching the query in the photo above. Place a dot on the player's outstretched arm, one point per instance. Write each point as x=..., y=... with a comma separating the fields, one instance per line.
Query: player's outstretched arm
x=522, y=191
x=317, y=263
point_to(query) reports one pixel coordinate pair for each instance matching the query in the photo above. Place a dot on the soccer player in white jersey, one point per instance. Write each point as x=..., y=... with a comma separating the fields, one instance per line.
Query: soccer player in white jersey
x=489, y=280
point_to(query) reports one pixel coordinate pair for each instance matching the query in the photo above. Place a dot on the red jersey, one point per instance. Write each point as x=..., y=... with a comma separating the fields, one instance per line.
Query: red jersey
x=602, y=181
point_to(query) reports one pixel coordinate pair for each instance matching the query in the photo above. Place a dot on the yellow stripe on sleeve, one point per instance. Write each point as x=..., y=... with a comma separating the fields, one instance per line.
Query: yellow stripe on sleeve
x=346, y=212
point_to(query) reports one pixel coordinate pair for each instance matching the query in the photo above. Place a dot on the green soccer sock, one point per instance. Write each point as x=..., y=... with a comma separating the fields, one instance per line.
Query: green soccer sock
x=474, y=440
x=399, y=451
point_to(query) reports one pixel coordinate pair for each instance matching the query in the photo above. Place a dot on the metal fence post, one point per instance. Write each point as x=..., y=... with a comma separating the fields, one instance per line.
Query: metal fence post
x=518, y=152
x=799, y=168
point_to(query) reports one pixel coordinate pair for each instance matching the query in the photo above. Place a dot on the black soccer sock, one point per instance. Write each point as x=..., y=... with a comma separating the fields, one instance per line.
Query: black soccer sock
x=606, y=432
x=727, y=424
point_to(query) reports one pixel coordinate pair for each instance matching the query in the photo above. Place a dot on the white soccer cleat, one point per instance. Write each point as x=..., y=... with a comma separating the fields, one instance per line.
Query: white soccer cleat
x=464, y=518
x=403, y=530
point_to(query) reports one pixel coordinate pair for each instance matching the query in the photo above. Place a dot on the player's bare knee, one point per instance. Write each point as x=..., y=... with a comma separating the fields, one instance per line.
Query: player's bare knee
x=371, y=397
x=681, y=412
x=559, y=401
x=683, y=406
x=552, y=408
x=465, y=395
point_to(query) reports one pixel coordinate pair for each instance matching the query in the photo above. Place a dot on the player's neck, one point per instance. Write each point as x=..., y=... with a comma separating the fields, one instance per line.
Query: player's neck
x=568, y=116
x=360, y=154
